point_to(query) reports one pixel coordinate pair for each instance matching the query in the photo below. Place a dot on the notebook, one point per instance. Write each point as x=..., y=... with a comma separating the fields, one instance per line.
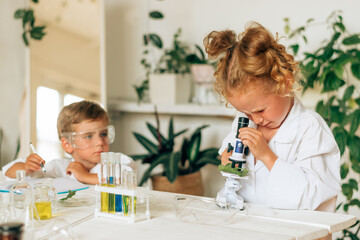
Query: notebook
x=62, y=184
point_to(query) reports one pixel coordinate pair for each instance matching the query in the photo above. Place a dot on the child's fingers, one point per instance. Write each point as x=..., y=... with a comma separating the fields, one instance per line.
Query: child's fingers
x=225, y=157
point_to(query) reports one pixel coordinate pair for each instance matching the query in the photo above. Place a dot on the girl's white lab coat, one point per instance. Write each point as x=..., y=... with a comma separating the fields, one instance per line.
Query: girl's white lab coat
x=307, y=171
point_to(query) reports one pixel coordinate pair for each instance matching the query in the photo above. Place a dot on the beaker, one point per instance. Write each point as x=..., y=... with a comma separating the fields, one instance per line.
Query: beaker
x=21, y=200
x=42, y=201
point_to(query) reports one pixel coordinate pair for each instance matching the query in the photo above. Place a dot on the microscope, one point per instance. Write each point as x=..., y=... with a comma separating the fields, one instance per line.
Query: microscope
x=228, y=195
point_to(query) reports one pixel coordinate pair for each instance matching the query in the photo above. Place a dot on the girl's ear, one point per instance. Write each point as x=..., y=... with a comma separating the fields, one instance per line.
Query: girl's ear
x=66, y=145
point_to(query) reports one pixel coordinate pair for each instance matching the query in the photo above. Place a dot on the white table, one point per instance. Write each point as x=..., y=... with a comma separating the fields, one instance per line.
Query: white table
x=257, y=222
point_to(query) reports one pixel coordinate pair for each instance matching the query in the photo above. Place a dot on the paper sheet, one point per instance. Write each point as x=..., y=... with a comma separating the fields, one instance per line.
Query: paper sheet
x=62, y=185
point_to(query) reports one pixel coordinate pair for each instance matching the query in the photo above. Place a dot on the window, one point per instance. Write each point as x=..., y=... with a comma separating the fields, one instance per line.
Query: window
x=49, y=104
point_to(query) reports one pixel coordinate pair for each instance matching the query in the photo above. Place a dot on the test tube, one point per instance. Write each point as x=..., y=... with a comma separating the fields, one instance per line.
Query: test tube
x=104, y=179
x=111, y=183
x=118, y=197
x=129, y=202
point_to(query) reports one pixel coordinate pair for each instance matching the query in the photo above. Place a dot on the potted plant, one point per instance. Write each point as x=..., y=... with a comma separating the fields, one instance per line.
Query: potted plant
x=180, y=169
x=202, y=72
x=169, y=71
x=334, y=68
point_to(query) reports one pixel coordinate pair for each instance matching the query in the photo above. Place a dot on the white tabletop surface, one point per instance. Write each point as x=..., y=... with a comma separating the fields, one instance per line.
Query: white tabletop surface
x=255, y=222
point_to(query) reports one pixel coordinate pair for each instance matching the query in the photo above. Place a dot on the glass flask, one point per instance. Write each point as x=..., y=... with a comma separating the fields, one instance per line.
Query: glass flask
x=21, y=200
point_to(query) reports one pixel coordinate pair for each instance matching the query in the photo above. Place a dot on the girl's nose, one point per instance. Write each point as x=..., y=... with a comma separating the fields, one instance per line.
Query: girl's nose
x=257, y=119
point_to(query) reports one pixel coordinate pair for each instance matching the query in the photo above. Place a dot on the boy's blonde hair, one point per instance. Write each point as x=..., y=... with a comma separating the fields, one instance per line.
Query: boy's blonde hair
x=78, y=112
x=253, y=56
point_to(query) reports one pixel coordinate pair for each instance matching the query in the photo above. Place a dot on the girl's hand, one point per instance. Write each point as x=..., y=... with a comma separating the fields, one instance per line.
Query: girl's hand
x=225, y=157
x=33, y=162
x=78, y=170
x=255, y=140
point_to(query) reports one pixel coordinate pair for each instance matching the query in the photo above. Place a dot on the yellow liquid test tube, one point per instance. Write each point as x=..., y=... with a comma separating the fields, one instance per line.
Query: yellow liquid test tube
x=104, y=173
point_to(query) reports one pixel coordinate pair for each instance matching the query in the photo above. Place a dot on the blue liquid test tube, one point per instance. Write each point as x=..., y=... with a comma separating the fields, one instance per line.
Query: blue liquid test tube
x=118, y=197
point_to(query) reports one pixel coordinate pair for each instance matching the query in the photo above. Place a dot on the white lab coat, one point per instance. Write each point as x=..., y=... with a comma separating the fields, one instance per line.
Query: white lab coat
x=307, y=170
x=57, y=167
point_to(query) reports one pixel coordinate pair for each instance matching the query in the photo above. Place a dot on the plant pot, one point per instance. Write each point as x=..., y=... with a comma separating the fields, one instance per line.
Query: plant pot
x=169, y=88
x=186, y=184
x=203, y=73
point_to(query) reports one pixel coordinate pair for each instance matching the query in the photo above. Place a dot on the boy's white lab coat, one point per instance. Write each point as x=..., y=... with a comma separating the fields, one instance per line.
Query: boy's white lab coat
x=57, y=167
x=307, y=171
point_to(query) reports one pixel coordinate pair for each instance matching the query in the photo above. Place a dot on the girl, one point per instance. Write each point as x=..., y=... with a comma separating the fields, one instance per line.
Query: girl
x=294, y=161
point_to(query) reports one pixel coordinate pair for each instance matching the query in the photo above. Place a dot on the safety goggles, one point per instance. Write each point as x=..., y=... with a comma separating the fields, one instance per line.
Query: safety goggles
x=88, y=139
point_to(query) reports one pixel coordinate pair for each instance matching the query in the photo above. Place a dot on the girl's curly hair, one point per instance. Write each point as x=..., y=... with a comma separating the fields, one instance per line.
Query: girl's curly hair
x=253, y=56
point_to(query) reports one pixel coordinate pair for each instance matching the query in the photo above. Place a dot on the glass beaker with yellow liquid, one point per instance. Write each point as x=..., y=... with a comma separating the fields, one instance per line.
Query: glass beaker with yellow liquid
x=42, y=201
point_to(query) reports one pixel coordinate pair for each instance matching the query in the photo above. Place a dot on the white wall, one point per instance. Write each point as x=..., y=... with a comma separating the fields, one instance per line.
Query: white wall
x=12, y=76
x=126, y=20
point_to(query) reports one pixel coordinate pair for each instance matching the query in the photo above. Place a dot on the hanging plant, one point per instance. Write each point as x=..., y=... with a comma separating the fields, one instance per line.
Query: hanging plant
x=30, y=30
x=335, y=68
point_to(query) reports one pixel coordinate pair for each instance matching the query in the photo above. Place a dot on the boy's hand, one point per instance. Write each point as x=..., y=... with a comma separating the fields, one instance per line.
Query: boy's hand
x=33, y=162
x=78, y=170
x=255, y=140
x=225, y=157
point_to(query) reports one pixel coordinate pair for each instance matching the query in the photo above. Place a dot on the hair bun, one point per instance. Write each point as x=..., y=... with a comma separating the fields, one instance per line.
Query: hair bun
x=217, y=43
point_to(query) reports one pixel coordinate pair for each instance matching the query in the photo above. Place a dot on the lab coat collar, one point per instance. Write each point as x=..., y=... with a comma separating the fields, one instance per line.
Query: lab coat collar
x=287, y=133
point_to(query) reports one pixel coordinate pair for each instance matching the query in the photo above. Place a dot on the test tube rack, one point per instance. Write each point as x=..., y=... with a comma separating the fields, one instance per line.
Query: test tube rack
x=132, y=193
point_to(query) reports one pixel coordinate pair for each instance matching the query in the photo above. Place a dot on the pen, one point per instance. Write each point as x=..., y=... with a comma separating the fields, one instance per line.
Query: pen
x=34, y=151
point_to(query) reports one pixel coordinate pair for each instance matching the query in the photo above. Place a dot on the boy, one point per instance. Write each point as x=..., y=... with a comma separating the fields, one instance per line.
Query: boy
x=84, y=133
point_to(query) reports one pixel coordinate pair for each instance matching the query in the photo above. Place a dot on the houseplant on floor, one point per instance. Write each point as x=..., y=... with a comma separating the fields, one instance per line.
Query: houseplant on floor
x=334, y=68
x=177, y=166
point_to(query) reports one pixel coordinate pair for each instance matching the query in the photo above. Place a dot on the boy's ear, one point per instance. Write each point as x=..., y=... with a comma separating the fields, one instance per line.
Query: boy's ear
x=66, y=145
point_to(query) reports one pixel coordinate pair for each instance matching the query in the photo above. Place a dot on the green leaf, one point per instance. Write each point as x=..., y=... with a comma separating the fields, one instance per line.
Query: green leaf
x=172, y=166
x=207, y=160
x=295, y=48
x=339, y=70
x=194, y=147
x=354, y=143
x=344, y=170
x=171, y=132
x=355, y=202
x=354, y=39
x=37, y=32
x=156, y=15
x=340, y=26
x=353, y=184
x=155, y=163
x=355, y=121
x=25, y=39
x=147, y=144
x=229, y=169
x=332, y=82
x=154, y=132
x=139, y=156
x=348, y=93
x=347, y=190
x=69, y=195
x=20, y=13
x=355, y=165
x=355, y=70
x=340, y=135
x=155, y=40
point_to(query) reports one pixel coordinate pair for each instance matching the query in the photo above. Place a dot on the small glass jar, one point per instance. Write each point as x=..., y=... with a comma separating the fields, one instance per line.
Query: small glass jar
x=42, y=200
x=21, y=200
x=11, y=231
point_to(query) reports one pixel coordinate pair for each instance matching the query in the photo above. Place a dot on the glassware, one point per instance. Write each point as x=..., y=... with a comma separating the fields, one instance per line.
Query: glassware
x=202, y=211
x=4, y=207
x=11, y=231
x=21, y=200
x=42, y=200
